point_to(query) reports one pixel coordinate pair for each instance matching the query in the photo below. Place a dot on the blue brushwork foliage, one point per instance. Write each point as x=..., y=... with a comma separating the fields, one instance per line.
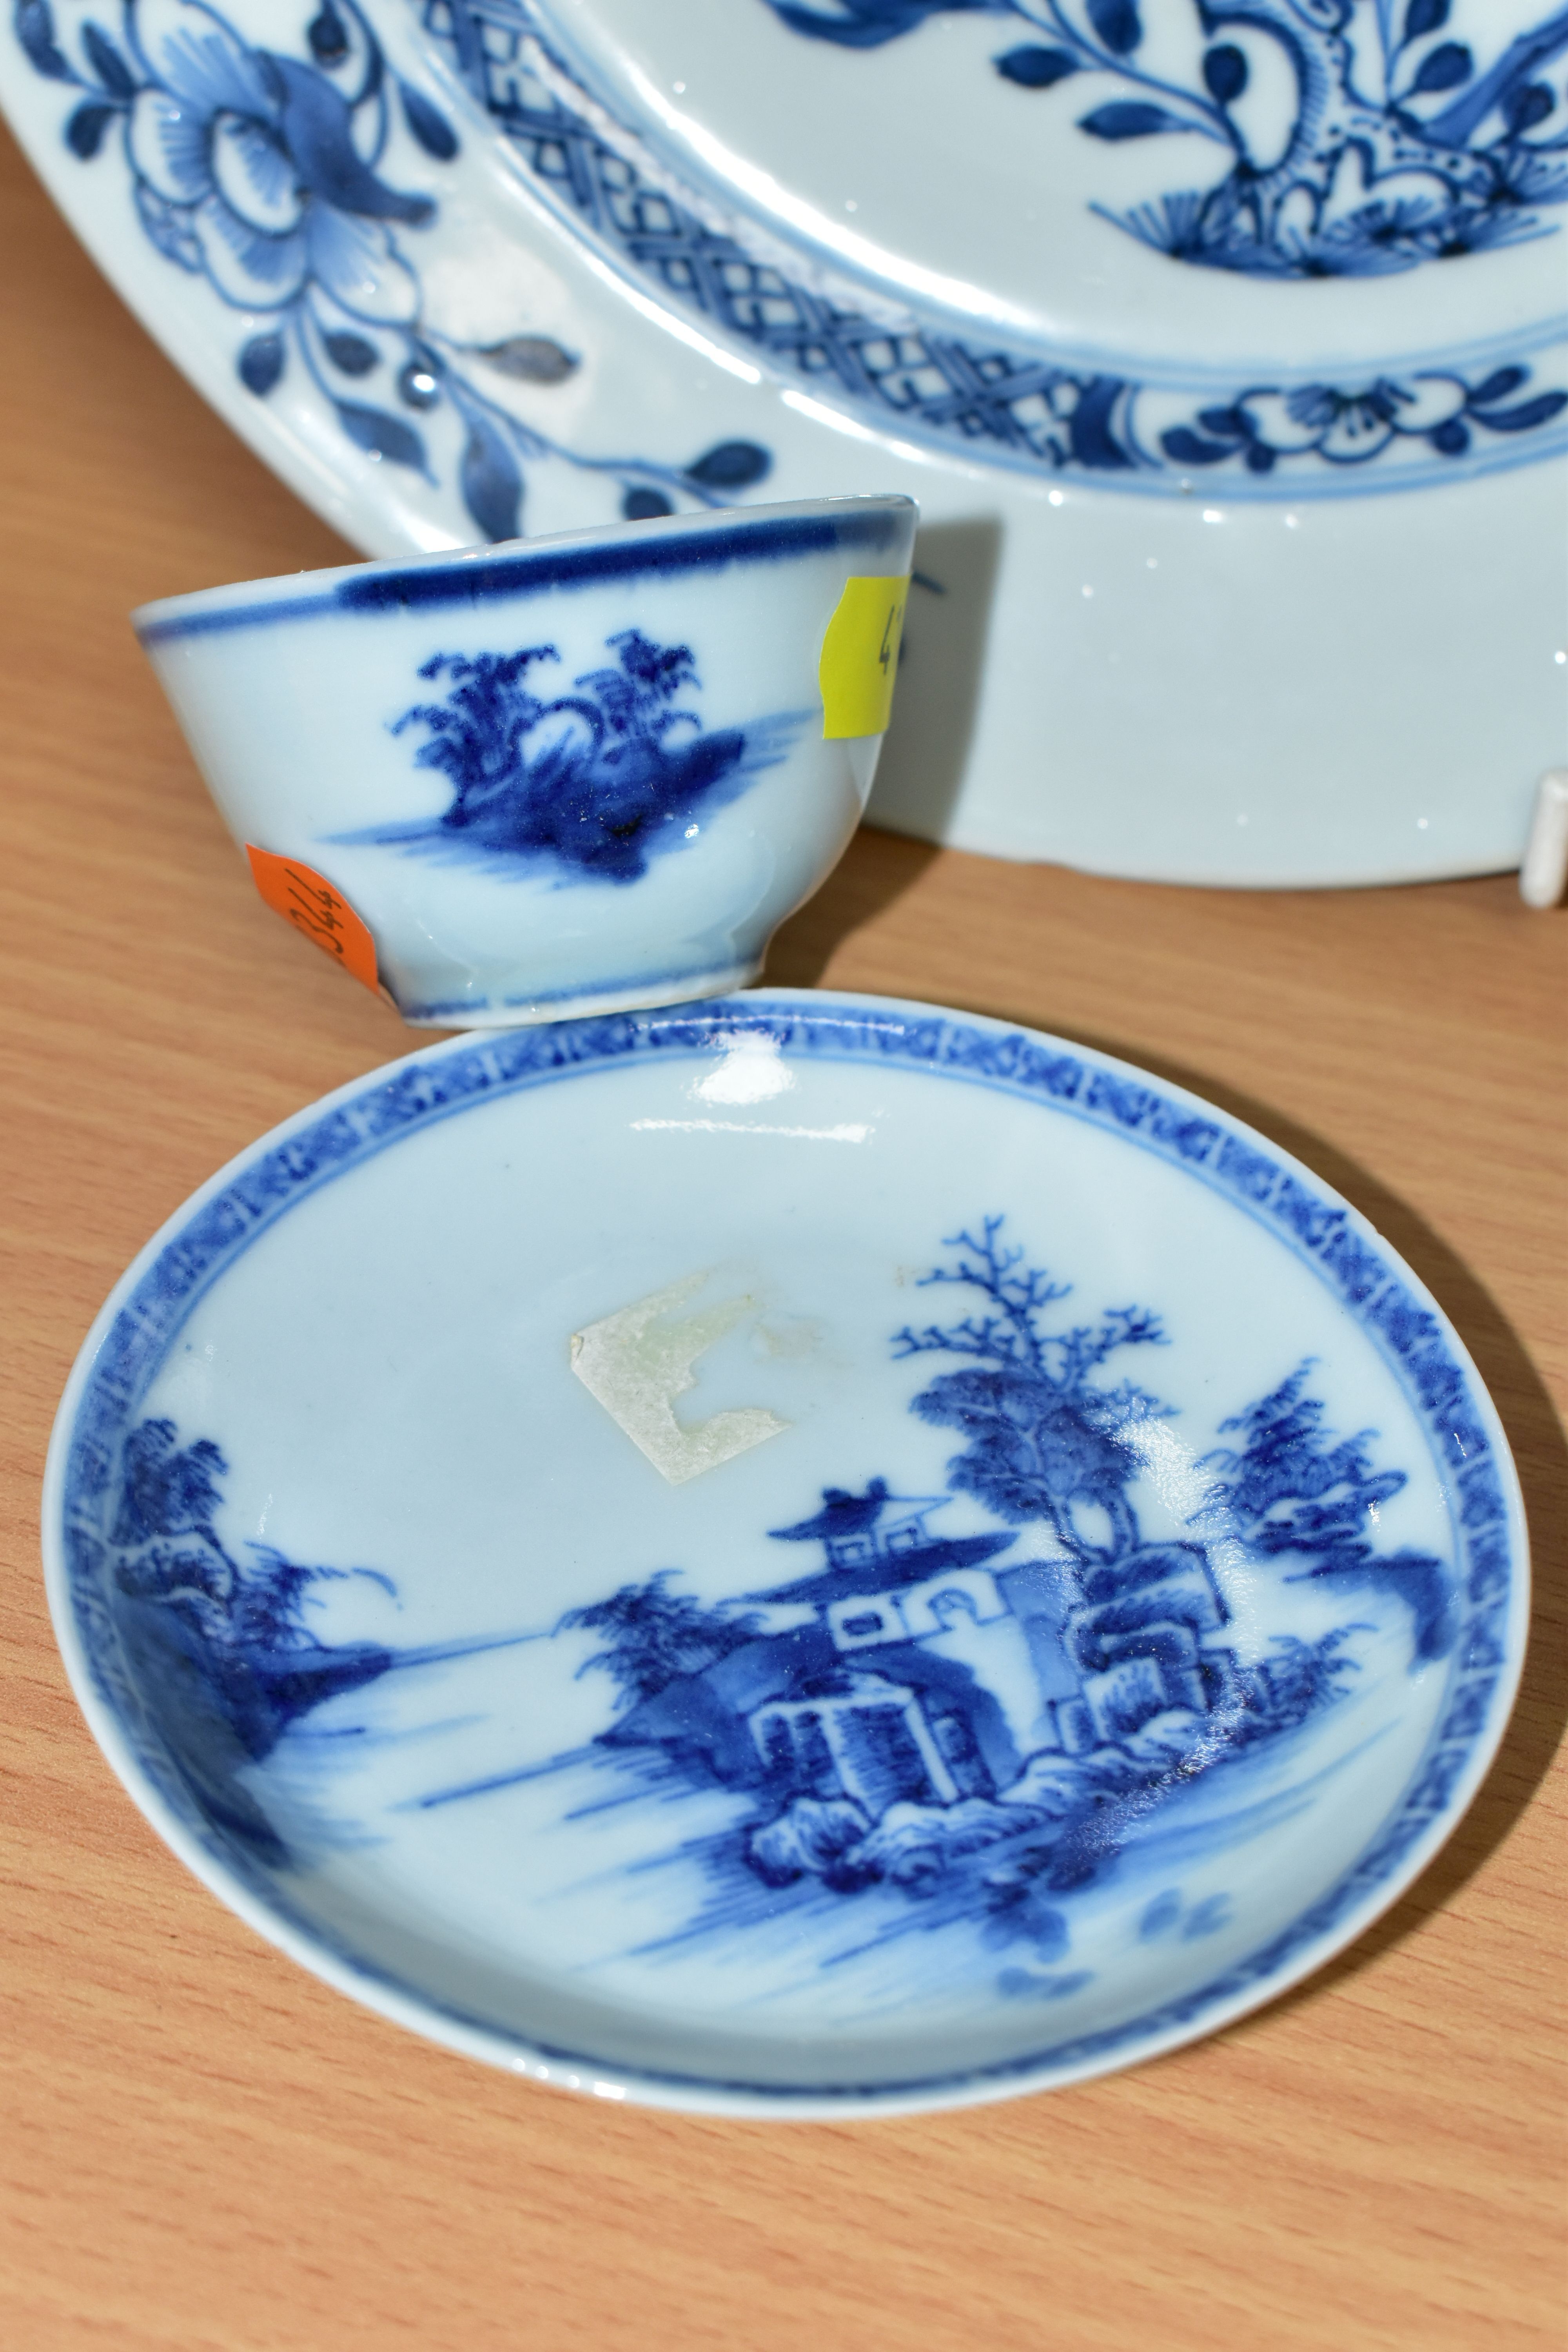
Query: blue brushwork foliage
x=731, y=465
x=1292, y=1490
x=1044, y=1435
x=643, y=504
x=308, y=138
x=1117, y=24
x=223, y=1641
x=598, y=780
x=1130, y=118
x=1423, y=16
x=350, y=353
x=1033, y=66
x=653, y=1634
x=381, y=435
x=328, y=37
x=85, y=129
x=1443, y=68
x=872, y=1754
x=491, y=480
x=428, y=124
x=261, y=361
x=867, y=24
x=107, y=62
x=1225, y=72
x=35, y=26
x=1460, y=178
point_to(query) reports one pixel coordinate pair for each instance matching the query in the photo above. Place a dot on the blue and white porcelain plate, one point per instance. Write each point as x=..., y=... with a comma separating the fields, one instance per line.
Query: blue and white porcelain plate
x=803, y=1555
x=1146, y=301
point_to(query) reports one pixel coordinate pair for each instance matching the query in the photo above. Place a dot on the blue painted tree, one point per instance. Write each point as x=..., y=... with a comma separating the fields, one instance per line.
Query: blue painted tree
x=1292, y=1490
x=654, y=1635
x=1402, y=147
x=591, y=778
x=1044, y=1435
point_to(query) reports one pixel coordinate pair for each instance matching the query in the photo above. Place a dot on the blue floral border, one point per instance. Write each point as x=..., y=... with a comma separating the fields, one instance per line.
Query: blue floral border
x=1420, y=424
x=450, y=1079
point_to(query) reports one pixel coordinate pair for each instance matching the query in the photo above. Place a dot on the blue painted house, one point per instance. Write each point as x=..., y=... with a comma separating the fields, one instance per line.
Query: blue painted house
x=929, y=1670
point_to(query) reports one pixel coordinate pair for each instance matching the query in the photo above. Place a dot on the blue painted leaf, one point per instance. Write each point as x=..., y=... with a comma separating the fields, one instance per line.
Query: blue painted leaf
x=329, y=37
x=532, y=359
x=318, y=131
x=1117, y=24
x=107, y=62
x=1034, y=68
x=1443, y=68
x=1260, y=458
x=641, y=505
x=1423, y=16
x=1451, y=438
x=1529, y=413
x=418, y=385
x=731, y=466
x=1130, y=119
x=1529, y=106
x=865, y=23
x=260, y=363
x=1497, y=386
x=36, y=31
x=84, y=131
x=352, y=353
x=1185, y=447
x=1225, y=73
x=1227, y=422
x=428, y=124
x=382, y=435
x=492, y=485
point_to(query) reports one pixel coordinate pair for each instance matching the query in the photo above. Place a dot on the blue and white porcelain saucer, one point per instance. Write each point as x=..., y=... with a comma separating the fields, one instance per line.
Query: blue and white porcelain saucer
x=802, y=1554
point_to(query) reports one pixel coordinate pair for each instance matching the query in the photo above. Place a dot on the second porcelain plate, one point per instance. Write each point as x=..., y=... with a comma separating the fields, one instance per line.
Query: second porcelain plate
x=1145, y=305
x=795, y=1556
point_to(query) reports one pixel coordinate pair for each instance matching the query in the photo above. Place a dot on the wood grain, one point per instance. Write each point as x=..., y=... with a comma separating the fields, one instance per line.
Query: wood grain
x=204, y=2147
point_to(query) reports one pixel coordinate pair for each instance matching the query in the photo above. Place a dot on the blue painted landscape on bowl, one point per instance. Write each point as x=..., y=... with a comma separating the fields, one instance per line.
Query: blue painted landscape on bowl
x=595, y=781
x=899, y=1735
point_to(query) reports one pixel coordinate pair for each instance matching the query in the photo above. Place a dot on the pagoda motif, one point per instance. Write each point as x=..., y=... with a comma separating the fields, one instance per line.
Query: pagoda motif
x=928, y=1671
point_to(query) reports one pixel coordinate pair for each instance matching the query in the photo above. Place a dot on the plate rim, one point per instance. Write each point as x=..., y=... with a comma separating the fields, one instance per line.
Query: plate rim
x=1207, y=2008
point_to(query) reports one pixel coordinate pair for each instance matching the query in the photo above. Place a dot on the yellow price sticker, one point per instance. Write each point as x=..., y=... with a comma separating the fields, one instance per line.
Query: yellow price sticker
x=860, y=658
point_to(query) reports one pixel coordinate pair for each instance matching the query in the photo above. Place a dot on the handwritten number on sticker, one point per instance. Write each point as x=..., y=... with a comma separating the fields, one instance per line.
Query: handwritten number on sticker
x=312, y=905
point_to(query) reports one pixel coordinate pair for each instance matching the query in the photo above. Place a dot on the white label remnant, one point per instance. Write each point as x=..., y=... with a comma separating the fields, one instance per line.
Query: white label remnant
x=635, y=1363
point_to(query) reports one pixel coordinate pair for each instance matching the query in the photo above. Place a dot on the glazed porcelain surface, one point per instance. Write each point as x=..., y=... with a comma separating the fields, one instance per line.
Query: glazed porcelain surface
x=803, y=1555
x=1148, y=305
x=561, y=775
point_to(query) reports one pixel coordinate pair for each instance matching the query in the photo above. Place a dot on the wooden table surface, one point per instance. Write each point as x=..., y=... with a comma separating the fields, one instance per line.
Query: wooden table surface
x=203, y=2147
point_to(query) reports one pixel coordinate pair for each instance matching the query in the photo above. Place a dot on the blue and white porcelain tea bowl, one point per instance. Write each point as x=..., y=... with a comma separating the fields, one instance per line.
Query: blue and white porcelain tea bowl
x=571, y=775
x=822, y=1556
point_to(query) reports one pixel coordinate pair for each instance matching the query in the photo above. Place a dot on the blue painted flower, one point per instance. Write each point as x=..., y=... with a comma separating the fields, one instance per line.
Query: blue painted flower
x=249, y=170
x=1348, y=427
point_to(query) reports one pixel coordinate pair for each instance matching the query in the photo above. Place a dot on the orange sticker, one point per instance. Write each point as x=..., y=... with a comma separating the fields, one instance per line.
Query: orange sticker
x=307, y=901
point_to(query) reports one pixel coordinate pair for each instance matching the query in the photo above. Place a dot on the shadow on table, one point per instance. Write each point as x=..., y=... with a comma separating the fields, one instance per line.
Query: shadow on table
x=875, y=874
x=1540, y=1452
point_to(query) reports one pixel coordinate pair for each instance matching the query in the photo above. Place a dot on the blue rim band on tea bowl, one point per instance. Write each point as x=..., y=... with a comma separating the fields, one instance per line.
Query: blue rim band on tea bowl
x=817, y=1769
x=563, y=776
